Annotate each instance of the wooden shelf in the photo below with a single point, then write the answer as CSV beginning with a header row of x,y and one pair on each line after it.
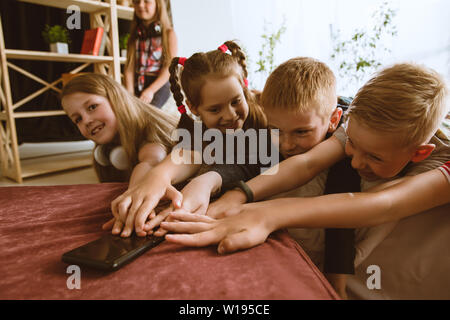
x,y
88,6
54,163
52,56
33,114
57,57
102,14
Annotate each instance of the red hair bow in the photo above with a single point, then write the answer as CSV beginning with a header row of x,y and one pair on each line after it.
x,y
246,82
223,48
182,60
182,109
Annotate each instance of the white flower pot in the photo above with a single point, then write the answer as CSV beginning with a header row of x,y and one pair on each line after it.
x,y
59,47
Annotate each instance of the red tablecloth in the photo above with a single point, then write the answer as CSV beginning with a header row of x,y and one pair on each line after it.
x,y
39,224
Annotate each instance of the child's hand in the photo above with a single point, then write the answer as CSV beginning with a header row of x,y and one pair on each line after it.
x,y
109,225
197,192
196,195
230,203
244,230
156,219
147,96
113,224
133,207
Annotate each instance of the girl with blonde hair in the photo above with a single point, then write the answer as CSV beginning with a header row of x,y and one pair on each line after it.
x,y
130,135
151,46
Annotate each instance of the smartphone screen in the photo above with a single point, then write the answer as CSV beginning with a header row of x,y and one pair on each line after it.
x,y
110,252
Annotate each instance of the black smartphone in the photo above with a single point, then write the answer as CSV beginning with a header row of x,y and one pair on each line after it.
x,y
110,252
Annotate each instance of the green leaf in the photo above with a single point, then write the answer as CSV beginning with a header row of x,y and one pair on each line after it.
x,y
55,34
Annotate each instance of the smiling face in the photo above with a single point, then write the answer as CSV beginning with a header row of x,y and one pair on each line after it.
x,y
93,116
145,9
223,104
300,132
375,155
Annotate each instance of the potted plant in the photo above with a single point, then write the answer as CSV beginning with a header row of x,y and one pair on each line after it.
x,y
123,43
57,37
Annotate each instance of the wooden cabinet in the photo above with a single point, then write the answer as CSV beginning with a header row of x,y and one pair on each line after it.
x,y
102,14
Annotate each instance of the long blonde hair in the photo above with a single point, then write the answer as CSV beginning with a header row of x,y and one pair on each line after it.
x,y
162,16
138,123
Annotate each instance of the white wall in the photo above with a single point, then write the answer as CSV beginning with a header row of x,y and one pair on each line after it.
x,y
424,33
423,27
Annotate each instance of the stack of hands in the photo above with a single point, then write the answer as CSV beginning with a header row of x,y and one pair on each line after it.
x,y
190,218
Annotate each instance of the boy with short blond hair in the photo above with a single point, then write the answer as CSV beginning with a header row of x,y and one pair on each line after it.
x,y
294,84
300,101
405,103
420,102
420,96
392,132
298,90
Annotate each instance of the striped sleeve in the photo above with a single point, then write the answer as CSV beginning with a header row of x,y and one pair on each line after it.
x,y
446,170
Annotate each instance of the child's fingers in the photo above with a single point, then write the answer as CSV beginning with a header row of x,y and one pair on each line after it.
x,y
122,208
144,210
156,221
114,208
129,225
133,210
176,196
160,232
189,217
195,240
238,241
108,225
186,227
151,222
152,216
117,228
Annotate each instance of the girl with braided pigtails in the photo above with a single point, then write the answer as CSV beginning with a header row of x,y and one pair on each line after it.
x,y
215,90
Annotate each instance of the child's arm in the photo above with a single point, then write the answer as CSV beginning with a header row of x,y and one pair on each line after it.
x,y
197,193
277,179
297,170
149,156
256,221
289,174
129,75
134,206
